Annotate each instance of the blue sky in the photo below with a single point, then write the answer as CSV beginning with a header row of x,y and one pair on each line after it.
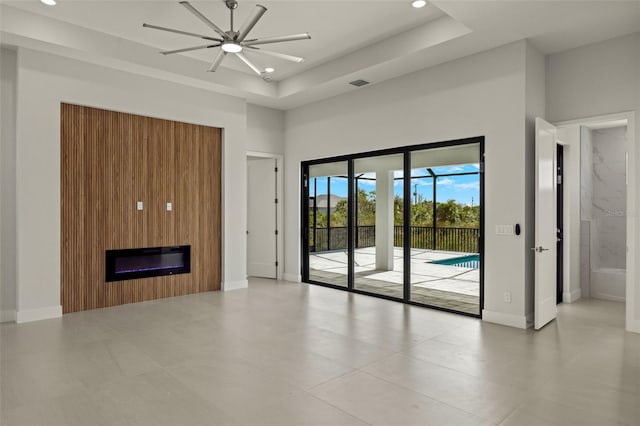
x,y
463,189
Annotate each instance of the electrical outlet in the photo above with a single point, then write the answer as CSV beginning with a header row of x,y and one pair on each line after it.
x,y
507,297
139,205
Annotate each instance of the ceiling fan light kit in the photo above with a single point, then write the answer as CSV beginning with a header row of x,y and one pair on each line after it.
x,y
232,41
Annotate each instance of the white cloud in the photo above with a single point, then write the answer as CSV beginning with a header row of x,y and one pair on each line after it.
x,y
468,185
450,169
445,182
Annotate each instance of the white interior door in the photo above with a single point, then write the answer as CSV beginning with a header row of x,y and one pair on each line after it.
x,y
261,218
546,230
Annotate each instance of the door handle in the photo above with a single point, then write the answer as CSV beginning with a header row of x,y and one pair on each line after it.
x,y
539,249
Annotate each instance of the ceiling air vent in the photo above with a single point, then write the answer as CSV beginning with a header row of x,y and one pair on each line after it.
x,y
359,83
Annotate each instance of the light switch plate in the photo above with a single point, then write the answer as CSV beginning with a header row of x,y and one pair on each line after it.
x,y
139,205
504,229
169,207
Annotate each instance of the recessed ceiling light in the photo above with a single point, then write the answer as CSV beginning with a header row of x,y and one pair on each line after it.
x,y
231,47
269,69
49,2
419,3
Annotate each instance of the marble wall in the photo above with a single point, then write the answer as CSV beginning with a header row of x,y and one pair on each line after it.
x,y
608,207
586,173
586,200
585,257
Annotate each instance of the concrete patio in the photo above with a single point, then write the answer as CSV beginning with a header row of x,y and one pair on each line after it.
x,y
446,286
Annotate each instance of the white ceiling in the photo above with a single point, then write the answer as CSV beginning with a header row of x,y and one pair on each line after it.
x,y
375,40
336,27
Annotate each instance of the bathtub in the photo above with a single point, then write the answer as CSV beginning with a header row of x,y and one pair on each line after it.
x,y
609,284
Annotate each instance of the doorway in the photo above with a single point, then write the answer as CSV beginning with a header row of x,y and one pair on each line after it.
x,y
264,216
603,210
577,241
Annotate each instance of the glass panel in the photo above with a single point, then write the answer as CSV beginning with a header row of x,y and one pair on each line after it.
x,y
445,228
328,185
378,254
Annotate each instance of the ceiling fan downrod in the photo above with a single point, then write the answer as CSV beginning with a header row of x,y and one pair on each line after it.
x,y
231,5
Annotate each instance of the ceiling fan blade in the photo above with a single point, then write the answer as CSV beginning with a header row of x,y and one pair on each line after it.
x,y
217,61
249,64
266,40
188,49
284,56
204,19
251,21
171,30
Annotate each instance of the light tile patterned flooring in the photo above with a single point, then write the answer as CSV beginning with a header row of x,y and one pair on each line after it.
x,y
283,354
446,286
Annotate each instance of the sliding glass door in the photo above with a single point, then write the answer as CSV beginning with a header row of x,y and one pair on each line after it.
x,y
378,206
327,214
445,228
403,224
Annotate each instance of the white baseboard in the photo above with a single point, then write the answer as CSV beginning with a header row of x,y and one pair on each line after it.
x,y
8,315
530,316
510,320
571,296
607,296
633,326
29,315
234,285
291,277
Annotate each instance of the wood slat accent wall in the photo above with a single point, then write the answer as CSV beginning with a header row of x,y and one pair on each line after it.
x,y
111,160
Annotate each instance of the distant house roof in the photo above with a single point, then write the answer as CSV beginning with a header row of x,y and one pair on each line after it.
x,y
321,201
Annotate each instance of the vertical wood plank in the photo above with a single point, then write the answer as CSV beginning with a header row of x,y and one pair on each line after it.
x,y
111,160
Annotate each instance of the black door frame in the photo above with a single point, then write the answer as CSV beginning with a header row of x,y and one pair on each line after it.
x,y
560,225
406,150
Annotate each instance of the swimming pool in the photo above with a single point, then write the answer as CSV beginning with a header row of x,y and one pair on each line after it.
x,y
471,261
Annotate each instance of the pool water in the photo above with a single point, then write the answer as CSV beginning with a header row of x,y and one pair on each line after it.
x,y
471,261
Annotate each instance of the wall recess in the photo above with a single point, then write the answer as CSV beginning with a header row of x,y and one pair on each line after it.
x,y
117,172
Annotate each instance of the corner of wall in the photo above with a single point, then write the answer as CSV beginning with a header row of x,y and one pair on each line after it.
x,y
510,320
37,314
234,285
571,296
295,278
8,315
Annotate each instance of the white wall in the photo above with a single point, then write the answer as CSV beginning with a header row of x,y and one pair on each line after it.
x,y
8,185
534,107
46,80
265,130
265,139
601,79
480,95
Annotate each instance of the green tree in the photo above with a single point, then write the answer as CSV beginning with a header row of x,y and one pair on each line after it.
x,y
340,214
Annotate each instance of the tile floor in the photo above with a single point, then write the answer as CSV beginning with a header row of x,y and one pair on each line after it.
x,y
282,354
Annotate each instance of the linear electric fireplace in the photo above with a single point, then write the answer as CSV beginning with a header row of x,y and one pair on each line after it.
x,y
135,263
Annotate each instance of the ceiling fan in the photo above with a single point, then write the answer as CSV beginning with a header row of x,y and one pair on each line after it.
x,y
232,41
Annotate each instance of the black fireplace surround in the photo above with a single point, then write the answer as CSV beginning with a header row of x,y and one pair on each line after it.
x,y
136,263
